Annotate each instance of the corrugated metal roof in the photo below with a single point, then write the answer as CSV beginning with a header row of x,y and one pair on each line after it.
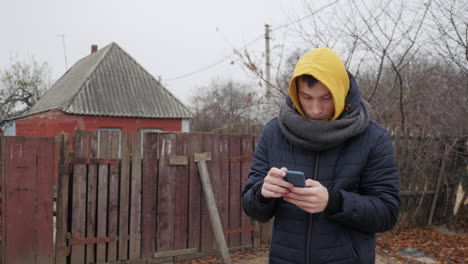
x,y
110,82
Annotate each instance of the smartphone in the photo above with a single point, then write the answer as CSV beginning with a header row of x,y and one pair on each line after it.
x,y
297,178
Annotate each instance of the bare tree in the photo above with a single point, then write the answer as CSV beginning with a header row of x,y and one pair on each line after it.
x,y
450,22
372,37
268,102
411,62
21,86
223,102
450,19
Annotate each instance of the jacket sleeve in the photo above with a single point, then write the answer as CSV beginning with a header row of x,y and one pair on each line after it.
x,y
376,207
259,209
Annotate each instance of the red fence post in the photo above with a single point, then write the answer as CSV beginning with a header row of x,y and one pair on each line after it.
x,y
234,189
79,197
166,194
247,150
182,189
208,241
194,213
27,180
61,249
149,192
44,201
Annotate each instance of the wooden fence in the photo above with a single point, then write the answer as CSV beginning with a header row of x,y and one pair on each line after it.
x,y
430,168
122,201
119,203
26,172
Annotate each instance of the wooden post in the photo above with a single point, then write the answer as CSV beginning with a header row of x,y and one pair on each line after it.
x,y
78,213
61,249
143,219
201,159
266,230
124,207
439,181
91,203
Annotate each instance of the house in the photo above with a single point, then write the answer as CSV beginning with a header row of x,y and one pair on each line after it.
x,y
104,91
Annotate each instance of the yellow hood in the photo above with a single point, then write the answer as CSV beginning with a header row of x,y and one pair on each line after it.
x,y
327,67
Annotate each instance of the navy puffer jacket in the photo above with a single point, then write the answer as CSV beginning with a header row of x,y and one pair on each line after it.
x,y
362,170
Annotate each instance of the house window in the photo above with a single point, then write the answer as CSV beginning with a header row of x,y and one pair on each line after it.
x,y
185,125
143,131
10,129
109,143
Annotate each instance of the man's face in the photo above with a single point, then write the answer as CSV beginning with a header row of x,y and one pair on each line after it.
x,y
316,101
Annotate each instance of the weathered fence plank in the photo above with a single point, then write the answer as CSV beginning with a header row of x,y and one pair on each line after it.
x,y
136,210
137,213
92,198
113,212
194,204
18,195
149,191
181,190
246,154
44,201
26,180
208,241
235,188
102,196
439,181
78,228
61,249
124,207
166,194
220,180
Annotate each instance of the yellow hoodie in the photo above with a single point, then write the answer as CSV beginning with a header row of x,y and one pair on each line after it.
x,y
327,67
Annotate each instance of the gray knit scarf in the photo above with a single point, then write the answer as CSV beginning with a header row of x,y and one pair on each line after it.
x,y
322,135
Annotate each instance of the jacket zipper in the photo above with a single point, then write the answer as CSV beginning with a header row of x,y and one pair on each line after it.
x,y
354,252
310,215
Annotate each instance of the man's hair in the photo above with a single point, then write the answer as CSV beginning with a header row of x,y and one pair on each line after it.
x,y
309,79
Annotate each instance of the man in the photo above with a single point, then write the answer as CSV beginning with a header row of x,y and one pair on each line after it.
x,y
324,130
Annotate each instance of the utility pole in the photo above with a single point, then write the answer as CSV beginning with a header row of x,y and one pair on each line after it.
x,y
267,228
267,59
64,50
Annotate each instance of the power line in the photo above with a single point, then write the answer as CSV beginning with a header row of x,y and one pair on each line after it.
x,y
213,64
307,16
248,44
198,71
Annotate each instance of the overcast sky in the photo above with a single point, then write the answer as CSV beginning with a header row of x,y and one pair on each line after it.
x,y
168,38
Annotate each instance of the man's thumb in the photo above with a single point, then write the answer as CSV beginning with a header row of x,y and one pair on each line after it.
x,y
312,183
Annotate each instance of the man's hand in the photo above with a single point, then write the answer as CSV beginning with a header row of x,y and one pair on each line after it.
x,y
273,185
312,199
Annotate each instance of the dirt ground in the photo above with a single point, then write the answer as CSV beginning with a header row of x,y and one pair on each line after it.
x,y
411,245
261,257
264,260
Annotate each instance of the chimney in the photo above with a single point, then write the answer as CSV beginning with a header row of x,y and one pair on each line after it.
x,y
93,48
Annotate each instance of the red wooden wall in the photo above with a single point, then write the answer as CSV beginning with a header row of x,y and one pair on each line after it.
x,y
52,123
